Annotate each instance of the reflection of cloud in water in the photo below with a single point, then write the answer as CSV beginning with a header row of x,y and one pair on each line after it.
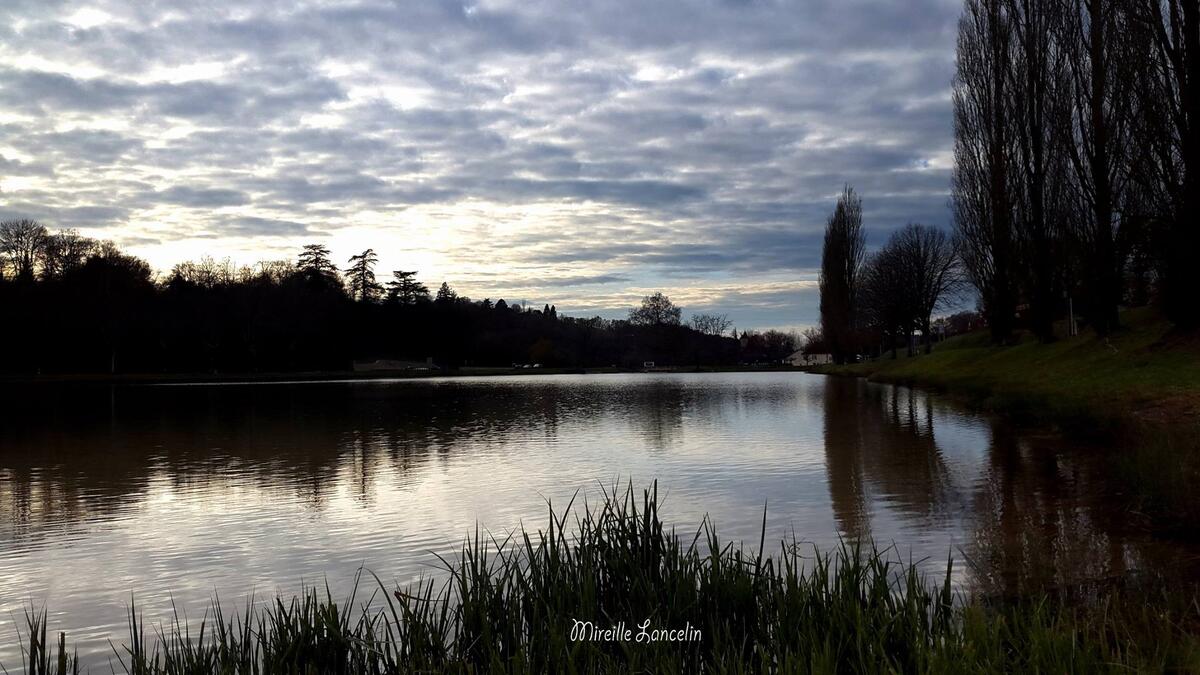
x,y
186,490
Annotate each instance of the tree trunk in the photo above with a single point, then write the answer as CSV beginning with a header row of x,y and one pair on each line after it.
x,y
1001,304
1182,282
1105,275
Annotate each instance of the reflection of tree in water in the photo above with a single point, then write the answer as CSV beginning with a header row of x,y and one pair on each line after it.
x,y
71,454
657,411
843,457
1043,520
68,455
880,447
660,409
1042,515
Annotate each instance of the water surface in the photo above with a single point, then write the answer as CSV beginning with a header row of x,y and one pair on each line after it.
x,y
177,493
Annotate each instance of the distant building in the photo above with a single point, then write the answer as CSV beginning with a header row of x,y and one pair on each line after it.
x,y
799,358
385,365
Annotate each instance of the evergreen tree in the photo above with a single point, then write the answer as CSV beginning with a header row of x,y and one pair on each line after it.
x,y
361,275
841,262
445,295
404,289
316,269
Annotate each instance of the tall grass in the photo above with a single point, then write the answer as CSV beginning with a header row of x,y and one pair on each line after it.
x,y
509,606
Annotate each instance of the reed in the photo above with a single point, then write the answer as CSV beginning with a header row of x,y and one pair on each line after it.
x,y
509,605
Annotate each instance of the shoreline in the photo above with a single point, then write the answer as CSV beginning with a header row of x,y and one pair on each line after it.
x,y
1142,375
1138,390
350,375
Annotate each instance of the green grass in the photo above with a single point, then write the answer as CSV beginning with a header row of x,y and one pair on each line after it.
x,y
509,606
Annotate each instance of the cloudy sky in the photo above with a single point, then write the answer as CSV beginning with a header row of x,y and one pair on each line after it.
x,y
576,153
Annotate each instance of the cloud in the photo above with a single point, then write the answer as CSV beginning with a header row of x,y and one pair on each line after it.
x,y
550,148
255,226
183,195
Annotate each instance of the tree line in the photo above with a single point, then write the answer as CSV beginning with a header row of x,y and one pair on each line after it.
x,y
1077,156
71,304
871,303
1075,185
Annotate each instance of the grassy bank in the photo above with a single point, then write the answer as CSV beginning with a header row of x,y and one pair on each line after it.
x,y
511,606
1140,386
1142,372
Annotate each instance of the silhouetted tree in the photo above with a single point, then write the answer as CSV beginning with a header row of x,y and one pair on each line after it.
x,y
812,341
1168,136
1100,55
361,275
778,345
710,324
65,251
205,273
275,271
21,244
770,347
1041,98
931,273
983,156
404,288
107,314
841,261
887,298
115,294
445,295
317,270
656,310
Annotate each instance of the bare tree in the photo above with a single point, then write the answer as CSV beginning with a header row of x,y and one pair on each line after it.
x,y
1101,55
206,272
710,324
275,271
1168,138
65,251
930,269
772,346
21,244
1040,94
656,310
983,152
841,261
813,341
886,304
778,345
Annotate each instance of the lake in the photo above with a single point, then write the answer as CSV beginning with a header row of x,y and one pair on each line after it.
x,y
177,493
